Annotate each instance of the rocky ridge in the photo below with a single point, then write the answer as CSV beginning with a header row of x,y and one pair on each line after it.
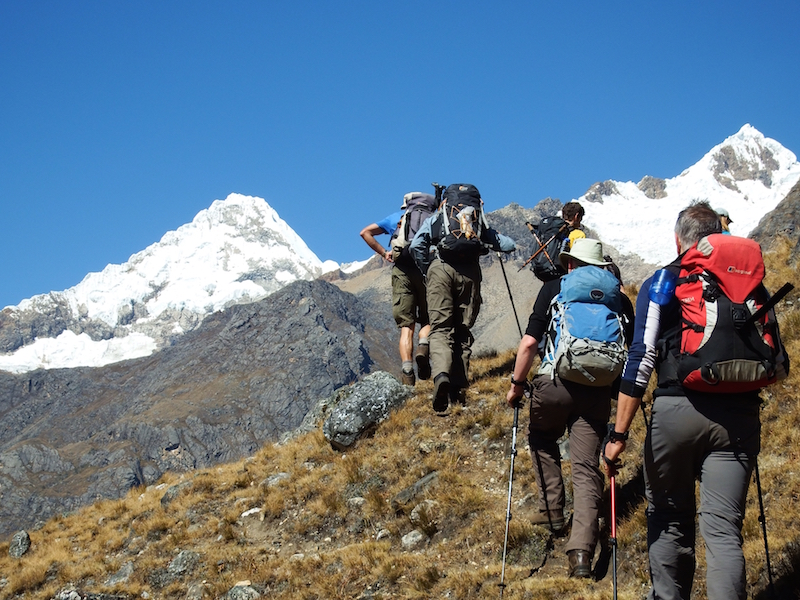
x,y
241,379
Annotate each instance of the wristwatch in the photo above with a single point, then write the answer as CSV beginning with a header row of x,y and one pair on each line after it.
x,y
616,436
515,382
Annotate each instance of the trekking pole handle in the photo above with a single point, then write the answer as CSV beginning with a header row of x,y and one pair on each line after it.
x,y
777,297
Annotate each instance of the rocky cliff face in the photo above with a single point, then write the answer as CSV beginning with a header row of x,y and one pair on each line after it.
x,y
784,221
243,377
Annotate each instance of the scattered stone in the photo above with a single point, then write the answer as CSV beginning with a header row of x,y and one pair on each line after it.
x,y
122,575
184,563
413,539
382,534
425,513
242,592
172,493
356,502
196,591
274,480
401,501
20,544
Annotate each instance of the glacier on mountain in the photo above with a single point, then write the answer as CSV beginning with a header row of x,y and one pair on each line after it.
x,y
238,250
748,174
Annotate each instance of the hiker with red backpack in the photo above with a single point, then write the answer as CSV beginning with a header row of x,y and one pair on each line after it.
x,y
409,304
460,235
705,323
580,325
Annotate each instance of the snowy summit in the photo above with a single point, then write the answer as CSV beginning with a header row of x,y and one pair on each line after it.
x,y
238,250
747,174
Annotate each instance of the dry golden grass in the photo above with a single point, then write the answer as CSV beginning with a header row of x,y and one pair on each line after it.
x,y
315,533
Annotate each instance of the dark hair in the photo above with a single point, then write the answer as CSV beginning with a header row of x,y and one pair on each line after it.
x,y
613,268
695,222
571,210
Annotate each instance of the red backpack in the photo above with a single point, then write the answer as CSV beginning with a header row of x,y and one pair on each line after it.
x,y
727,340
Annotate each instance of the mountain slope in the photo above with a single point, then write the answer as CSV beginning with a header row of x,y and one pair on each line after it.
x,y
243,377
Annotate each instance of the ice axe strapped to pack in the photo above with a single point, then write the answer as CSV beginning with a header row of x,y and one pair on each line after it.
x,y
549,235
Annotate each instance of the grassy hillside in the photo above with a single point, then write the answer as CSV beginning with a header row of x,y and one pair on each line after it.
x,y
301,520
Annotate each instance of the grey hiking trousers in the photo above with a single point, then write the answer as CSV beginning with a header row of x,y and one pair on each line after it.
x,y
715,441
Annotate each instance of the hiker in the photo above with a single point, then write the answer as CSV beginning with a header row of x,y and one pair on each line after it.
x,y
409,303
564,398
725,220
553,235
572,213
693,434
461,236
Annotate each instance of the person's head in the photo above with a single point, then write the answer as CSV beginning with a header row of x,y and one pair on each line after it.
x,y
572,213
584,251
695,222
724,218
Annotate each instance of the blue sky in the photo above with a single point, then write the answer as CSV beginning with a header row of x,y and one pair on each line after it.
x,y
119,121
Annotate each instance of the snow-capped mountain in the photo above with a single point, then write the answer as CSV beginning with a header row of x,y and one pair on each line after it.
x,y
747,174
238,250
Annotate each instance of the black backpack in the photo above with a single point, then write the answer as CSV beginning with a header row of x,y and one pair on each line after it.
x,y
461,224
418,207
549,234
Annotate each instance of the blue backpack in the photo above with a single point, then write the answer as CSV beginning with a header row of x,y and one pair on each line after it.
x,y
585,340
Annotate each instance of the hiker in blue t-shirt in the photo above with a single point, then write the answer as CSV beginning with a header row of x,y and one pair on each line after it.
x,y
409,305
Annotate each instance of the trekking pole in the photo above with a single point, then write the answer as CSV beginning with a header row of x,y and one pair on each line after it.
x,y
763,520
510,297
510,483
613,538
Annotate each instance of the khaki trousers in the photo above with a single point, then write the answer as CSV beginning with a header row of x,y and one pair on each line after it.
x,y
454,301
557,405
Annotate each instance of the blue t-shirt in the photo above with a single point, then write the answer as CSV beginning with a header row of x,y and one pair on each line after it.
x,y
389,224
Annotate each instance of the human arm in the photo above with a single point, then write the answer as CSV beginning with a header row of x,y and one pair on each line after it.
x,y
526,353
368,233
497,241
420,246
637,371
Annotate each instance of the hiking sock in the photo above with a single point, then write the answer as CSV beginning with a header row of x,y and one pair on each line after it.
x,y
408,373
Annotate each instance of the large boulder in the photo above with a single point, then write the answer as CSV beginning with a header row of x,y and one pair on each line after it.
x,y
361,407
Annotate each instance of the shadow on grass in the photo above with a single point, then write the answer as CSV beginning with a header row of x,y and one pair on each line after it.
x,y
786,576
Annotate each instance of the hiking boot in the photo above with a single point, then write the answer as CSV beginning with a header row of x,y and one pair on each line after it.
x,y
550,519
441,388
408,378
458,396
423,364
580,563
